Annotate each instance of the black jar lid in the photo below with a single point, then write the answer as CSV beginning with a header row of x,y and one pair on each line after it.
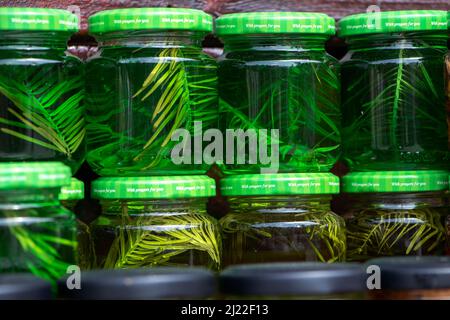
x,y
142,284
24,287
413,273
287,279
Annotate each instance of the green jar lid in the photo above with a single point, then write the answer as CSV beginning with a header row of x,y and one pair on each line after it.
x,y
275,22
33,175
393,21
280,184
151,19
395,181
168,187
37,19
74,191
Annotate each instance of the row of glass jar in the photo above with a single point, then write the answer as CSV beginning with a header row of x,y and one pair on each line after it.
x,y
163,221
272,218
150,78
255,281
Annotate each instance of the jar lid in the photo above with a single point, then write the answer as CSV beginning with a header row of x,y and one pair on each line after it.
x,y
151,19
32,175
139,284
167,187
24,287
275,22
406,273
393,21
275,279
395,181
74,191
280,184
37,19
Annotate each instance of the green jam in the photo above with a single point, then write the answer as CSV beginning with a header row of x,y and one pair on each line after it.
x,y
287,82
141,88
395,214
37,234
149,228
41,90
281,218
393,98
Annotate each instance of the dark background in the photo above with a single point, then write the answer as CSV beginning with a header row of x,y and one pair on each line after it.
x,y
83,45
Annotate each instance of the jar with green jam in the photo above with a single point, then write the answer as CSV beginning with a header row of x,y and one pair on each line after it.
x,y
37,234
41,88
281,218
159,283
70,196
155,221
150,92
447,84
280,88
412,278
393,97
294,281
395,213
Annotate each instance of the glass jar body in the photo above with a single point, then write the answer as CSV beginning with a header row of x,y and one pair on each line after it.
x,y
145,233
37,234
284,83
447,227
70,204
41,99
86,254
393,102
447,87
142,89
395,224
282,229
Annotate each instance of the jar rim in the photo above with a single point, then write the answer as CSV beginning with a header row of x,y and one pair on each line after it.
x,y
280,184
303,278
144,283
74,191
392,22
33,175
411,273
37,19
275,23
157,187
150,19
395,181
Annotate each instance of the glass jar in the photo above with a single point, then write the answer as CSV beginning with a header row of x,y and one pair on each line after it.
x,y
70,196
275,75
150,92
393,98
24,287
286,281
447,225
157,221
447,86
37,234
158,283
395,213
41,88
412,278
281,218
